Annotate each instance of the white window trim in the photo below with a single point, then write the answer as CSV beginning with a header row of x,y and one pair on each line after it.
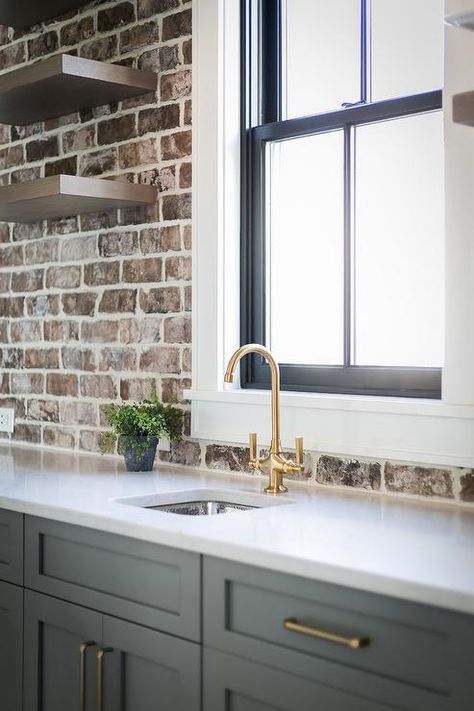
x,y
436,432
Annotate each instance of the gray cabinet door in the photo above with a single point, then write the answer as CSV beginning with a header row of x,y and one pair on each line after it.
x,y
54,635
148,670
11,638
11,547
234,684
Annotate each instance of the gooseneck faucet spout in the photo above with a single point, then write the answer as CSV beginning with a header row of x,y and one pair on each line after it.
x,y
275,462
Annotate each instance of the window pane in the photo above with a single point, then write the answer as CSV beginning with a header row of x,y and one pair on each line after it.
x,y
407,47
305,239
399,254
321,55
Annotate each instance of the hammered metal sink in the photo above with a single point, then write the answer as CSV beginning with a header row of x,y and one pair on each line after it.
x,y
202,508
202,502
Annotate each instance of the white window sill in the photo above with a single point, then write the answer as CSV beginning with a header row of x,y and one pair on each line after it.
x,y
425,431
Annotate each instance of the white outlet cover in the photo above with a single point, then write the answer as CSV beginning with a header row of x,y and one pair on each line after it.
x,y
7,419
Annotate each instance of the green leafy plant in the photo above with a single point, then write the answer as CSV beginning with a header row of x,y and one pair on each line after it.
x,y
138,423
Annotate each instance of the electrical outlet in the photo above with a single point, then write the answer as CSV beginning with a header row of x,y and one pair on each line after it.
x,y
7,419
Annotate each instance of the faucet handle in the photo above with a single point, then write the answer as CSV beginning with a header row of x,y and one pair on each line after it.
x,y
253,448
299,452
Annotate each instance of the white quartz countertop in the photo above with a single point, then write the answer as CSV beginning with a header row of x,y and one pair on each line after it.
x,y
422,552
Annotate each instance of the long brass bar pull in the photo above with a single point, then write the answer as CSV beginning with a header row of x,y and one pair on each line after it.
x,y
82,687
292,625
100,676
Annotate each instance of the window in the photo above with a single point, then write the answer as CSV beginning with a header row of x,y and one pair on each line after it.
x,y
343,194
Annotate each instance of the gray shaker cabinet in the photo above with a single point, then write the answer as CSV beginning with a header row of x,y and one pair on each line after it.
x,y
145,670
11,646
79,660
57,635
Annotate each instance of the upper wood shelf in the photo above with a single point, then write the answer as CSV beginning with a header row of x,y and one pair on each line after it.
x,y
463,108
24,13
62,84
63,195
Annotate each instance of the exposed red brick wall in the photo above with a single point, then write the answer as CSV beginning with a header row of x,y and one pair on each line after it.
x,y
95,308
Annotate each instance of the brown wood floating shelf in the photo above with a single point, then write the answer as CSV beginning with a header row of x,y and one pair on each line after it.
x,y
463,108
24,13
62,84
63,195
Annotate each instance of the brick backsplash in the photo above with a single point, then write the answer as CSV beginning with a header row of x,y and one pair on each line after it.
x,y
96,308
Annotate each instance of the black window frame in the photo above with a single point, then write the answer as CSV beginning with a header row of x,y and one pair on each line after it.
x,y
261,109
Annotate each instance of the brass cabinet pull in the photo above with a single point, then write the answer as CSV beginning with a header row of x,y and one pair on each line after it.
x,y
100,676
82,688
292,625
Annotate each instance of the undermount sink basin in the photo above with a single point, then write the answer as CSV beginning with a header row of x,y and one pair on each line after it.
x,y
202,502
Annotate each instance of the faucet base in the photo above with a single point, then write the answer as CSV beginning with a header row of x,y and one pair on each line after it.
x,y
276,489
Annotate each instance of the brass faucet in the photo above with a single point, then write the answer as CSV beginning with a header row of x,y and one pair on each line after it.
x,y
275,462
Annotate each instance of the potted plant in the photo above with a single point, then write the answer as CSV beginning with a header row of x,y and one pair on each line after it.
x,y
137,428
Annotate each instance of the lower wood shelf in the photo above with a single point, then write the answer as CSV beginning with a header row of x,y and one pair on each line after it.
x,y
63,195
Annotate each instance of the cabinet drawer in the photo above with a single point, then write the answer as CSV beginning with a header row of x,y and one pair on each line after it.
x,y
153,585
233,684
416,655
11,547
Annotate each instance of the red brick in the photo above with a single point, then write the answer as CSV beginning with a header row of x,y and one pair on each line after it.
x,y
31,280
100,49
118,301
185,175
76,412
140,330
176,86
177,329
58,437
178,268
160,118
118,359
42,44
78,358
119,14
43,410
146,8
77,31
27,433
139,153
42,305
176,145
46,250
61,331
79,139
137,389
160,359
172,389
26,331
120,128
176,25
101,273
42,359
99,332
161,239
63,277
138,36
82,304
44,148
12,307
142,270
163,300
61,384
176,207
98,386
27,383
116,244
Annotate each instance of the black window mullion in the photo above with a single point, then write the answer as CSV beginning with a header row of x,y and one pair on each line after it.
x,y
271,59
347,245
